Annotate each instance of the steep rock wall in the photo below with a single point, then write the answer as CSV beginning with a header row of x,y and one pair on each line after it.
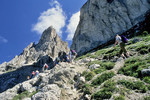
x,y
101,20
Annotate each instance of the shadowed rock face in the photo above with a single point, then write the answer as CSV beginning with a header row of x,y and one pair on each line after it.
x,y
32,58
101,20
10,79
45,51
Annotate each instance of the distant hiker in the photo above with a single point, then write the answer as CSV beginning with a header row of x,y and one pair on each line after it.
x,y
32,75
45,67
67,59
72,55
57,60
121,40
28,77
36,73
64,56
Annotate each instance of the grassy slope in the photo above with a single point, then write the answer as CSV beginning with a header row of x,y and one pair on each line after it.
x,y
139,49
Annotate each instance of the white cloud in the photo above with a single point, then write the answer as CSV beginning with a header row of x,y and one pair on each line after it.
x,y
71,27
51,17
3,40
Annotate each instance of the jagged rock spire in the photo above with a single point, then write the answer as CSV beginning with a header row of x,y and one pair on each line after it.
x,y
49,45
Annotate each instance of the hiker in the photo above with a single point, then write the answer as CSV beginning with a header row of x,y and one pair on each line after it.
x,y
121,41
72,55
28,77
36,73
57,60
67,59
32,75
64,56
45,67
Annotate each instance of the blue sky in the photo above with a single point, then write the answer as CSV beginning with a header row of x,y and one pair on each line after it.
x,y
23,21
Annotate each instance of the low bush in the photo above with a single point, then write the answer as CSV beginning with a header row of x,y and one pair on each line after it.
x,y
121,97
147,79
147,98
88,75
106,92
99,70
102,94
99,80
87,89
134,85
133,66
108,65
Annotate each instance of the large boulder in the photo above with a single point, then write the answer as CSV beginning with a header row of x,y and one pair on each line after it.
x,y
101,20
49,92
145,72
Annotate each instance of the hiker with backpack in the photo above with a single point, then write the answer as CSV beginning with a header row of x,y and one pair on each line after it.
x,y
37,73
32,75
121,40
57,60
72,55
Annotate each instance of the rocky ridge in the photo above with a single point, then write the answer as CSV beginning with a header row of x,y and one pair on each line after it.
x,y
101,20
48,47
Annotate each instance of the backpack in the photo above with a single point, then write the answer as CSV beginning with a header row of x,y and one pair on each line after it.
x,y
46,66
124,39
73,52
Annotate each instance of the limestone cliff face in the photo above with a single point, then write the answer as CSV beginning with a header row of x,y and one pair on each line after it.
x,y
47,48
100,20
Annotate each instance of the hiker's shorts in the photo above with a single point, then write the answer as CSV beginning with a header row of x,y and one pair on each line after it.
x,y
122,48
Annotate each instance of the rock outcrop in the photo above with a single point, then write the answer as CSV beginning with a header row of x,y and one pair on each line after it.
x,y
53,84
45,51
101,20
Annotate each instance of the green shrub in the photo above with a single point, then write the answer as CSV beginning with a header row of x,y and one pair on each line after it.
x,y
133,66
147,98
110,85
103,78
108,65
99,70
121,97
102,94
106,92
145,33
148,87
87,89
134,85
89,75
146,79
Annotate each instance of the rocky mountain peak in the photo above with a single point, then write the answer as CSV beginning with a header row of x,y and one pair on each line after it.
x,y
48,47
49,35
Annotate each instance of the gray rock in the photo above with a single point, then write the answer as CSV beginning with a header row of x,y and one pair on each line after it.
x,y
145,72
100,21
94,66
85,60
81,80
49,92
27,99
25,87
